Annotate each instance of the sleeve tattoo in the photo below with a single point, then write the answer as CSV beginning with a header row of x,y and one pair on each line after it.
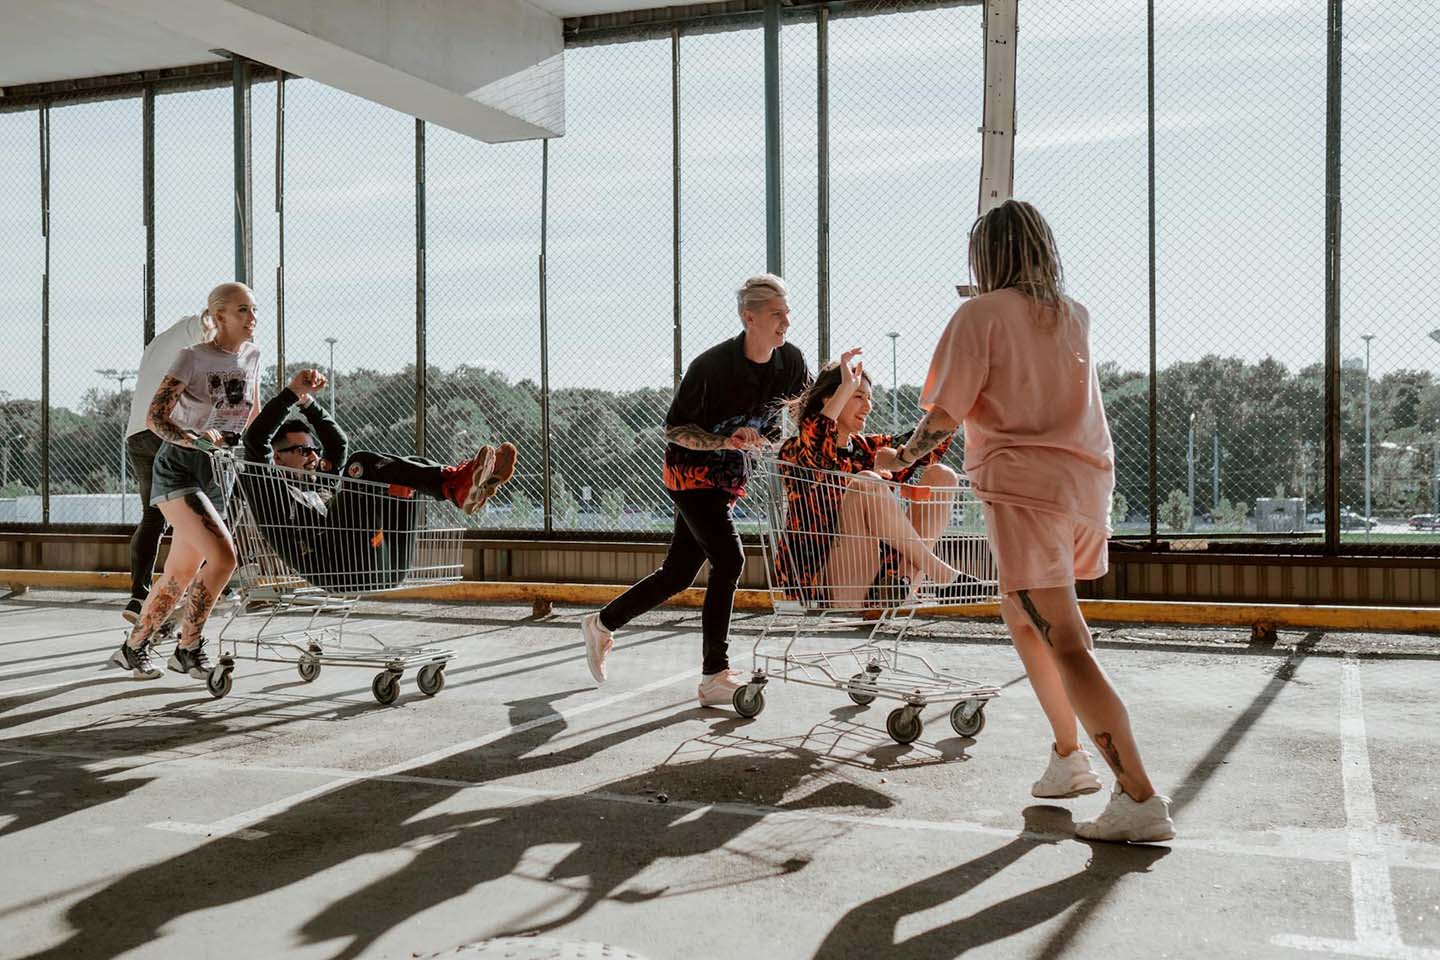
x,y
928,436
690,436
158,416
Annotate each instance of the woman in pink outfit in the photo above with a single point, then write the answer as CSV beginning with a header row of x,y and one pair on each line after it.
x,y
1014,367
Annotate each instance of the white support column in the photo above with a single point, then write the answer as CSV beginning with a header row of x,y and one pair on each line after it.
x,y
997,147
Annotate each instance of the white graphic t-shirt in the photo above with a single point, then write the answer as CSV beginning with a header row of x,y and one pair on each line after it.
x,y
220,388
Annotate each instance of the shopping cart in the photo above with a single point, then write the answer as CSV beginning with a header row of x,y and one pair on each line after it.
x,y
310,545
844,552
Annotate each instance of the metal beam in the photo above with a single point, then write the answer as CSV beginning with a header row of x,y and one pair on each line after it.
x,y
774,145
422,374
148,209
678,331
997,144
45,317
280,228
1154,486
240,135
822,143
1332,278
546,471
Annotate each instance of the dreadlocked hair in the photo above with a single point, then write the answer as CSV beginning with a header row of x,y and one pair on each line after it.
x,y
821,389
1012,246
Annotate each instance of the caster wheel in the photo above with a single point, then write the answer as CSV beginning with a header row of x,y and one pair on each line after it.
x,y
859,683
309,668
748,701
904,725
431,679
385,687
968,726
218,682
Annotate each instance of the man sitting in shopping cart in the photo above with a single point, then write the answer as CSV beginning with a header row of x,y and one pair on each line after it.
x,y
317,444
849,539
347,522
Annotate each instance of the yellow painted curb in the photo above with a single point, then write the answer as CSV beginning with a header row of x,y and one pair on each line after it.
x,y
1256,616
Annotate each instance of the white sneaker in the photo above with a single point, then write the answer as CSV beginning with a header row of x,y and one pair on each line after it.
x,y
598,641
1124,820
1067,776
718,689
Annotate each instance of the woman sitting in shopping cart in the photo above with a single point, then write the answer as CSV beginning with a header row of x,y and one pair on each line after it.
x,y
849,538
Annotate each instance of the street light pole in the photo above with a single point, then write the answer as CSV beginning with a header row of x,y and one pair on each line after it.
x,y
119,376
1190,461
894,383
1367,338
330,373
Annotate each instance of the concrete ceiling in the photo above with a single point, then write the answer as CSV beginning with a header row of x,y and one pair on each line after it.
x,y
48,40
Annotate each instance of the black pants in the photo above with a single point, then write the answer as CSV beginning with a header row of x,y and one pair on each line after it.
x,y
145,541
704,530
417,472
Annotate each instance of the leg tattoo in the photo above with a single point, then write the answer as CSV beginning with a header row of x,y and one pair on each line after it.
x,y
1106,743
197,610
196,503
163,597
1041,624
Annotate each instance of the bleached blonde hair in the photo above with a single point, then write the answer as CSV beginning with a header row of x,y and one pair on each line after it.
x,y
759,289
1012,246
220,296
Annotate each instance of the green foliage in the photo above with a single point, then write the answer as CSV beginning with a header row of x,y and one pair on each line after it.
x,y
1231,516
1175,513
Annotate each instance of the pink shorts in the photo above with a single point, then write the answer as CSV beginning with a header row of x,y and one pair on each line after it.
x,y
1034,549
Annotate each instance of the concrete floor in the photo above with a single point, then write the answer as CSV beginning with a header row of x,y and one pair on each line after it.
x,y
294,820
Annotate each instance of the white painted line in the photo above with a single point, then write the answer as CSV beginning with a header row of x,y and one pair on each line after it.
x,y
201,830
241,821
1377,929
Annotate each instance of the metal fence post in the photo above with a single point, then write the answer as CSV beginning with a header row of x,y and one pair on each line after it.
x,y
280,228
240,135
822,141
421,370
1150,193
1332,278
546,478
148,210
675,196
45,317
774,145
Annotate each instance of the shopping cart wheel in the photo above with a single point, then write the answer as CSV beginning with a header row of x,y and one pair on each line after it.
x,y
218,681
904,724
431,679
386,687
309,667
968,726
748,701
858,683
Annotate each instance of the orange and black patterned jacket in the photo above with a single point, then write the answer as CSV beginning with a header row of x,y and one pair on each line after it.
x,y
813,503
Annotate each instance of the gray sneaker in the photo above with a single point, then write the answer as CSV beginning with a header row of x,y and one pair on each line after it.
x,y
191,660
137,661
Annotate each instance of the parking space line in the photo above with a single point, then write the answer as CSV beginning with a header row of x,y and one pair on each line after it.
x,y
1377,928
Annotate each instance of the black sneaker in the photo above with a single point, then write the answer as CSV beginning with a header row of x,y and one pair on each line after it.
x,y
132,610
967,589
191,660
136,660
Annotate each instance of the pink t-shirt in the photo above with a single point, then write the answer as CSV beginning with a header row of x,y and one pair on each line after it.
x,y
1029,397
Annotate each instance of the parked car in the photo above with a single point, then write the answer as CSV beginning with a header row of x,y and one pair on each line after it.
x,y
1350,520
1425,521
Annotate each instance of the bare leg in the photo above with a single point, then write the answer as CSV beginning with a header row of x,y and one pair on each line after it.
x,y
885,519
1044,676
1055,615
181,566
198,528
929,516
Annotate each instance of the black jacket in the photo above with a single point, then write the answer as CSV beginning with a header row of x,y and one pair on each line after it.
x,y
260,435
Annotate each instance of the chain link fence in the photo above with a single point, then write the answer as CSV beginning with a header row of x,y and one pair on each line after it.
x,y
1389,336
22,250
905,101
610,288
1239,302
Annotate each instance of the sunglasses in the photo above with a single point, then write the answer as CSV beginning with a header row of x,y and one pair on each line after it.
x,y
300,448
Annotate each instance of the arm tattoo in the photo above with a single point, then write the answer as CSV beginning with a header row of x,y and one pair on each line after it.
x,y
1041,624
1106,743
690,436
158,416
927,437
